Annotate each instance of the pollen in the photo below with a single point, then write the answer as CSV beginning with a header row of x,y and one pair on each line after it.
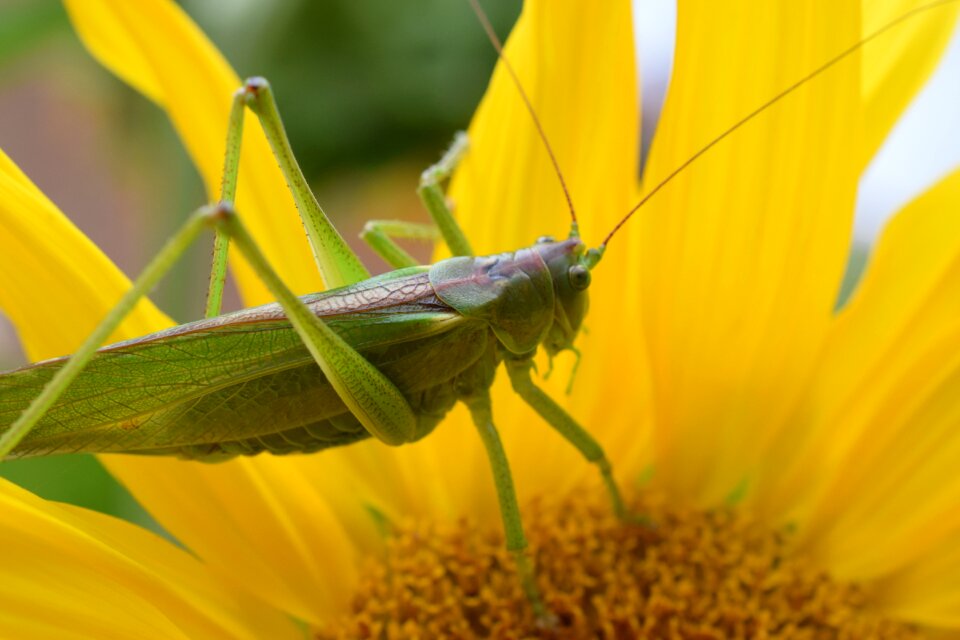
x,y
690,575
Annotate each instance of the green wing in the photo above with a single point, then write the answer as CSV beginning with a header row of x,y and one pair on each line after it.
x,y
244,383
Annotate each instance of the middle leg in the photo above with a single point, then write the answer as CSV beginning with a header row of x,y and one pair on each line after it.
x,y
380,234
435,200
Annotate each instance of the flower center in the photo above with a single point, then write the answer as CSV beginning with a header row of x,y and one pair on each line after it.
x,y
694,575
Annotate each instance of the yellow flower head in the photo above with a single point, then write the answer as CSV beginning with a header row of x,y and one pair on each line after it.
x,y
715,367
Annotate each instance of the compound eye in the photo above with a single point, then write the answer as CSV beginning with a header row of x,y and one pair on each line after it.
x,y
545,239
579,277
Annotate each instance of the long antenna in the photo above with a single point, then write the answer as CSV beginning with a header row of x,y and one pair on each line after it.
x,y
495,41
796,85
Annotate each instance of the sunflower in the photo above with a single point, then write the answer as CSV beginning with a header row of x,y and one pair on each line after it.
x,y
798,462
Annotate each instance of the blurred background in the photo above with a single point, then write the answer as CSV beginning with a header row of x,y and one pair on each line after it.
x,y
370,90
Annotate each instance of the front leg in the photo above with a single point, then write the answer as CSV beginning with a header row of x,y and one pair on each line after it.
x,y
519,371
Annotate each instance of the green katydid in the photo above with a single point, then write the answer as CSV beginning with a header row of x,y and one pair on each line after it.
x,y
395,351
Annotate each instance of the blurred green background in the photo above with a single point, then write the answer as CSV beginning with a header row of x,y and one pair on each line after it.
x,y
370,90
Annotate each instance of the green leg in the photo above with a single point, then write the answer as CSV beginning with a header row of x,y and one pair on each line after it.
x,y
228,194
379,235
556,417
339,265
157,268
435,201
368,394
507,495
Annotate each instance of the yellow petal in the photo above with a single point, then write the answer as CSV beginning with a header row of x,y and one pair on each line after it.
x,y
261,523
906,302
506,191
156,47
926,592
57,285
883,441
576,62
896,67
71,573
743,253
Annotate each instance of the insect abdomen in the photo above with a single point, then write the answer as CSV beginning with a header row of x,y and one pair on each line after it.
x,y
430,405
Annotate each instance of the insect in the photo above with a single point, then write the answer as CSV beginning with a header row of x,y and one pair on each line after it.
x,y
395,352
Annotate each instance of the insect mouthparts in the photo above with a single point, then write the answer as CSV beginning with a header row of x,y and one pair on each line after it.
x,y
593,256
